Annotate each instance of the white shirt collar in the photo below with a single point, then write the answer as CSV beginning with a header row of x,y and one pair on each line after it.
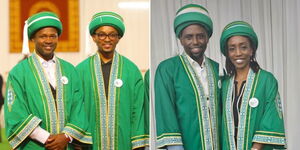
x,y
46,63
193,62
49,69
200,72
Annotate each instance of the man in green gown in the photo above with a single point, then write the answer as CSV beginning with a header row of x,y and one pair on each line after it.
x,y
113,89
44,96
187,87
260,119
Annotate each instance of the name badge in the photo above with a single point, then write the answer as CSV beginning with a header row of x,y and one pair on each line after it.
x,y
118,82
253,102
64,80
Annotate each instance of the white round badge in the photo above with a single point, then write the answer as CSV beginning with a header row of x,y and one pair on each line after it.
x,y
253,102
118,82
219,84
64,80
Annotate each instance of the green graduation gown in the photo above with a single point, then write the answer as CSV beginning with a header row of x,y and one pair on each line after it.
x,y
29,103
117,123
147,105
183,115
260,118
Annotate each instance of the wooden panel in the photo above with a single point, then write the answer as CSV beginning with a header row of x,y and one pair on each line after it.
x,y
67,10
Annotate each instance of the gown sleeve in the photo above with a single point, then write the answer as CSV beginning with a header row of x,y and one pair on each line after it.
x,y
19,122
271,128
168,132
138,135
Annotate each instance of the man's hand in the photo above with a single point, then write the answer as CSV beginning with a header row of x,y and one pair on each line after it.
x,y
57,142
257,146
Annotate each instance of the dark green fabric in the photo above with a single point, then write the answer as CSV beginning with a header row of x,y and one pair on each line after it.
x,y
264,118
30,102
129,108
175,104
147,101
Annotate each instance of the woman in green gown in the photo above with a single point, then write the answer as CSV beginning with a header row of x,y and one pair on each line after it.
x,y
252,112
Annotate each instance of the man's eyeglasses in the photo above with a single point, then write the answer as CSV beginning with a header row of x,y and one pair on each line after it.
x,y
103,36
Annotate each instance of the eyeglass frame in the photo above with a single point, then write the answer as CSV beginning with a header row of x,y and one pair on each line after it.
x,y
111,36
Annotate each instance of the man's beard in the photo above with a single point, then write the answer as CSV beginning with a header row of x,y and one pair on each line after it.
x,y
197,57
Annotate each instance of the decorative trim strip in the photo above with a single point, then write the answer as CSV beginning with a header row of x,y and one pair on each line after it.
x,y
41,18
193,10
228,113
107,16
243,113
56,122
275,140
107,107
168,134
279,105
268,132
59,96
140,143
213,89
208,112
97,104
11,96
169,140
78,133
47,92
30,123
140,136
248,117
112,94
41,92
196,98
102,102
244,110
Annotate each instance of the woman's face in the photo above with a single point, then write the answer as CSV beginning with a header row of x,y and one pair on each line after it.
x,y
239,52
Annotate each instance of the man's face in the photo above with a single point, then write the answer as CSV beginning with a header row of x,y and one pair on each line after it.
x,y
106,38
45,41
194,40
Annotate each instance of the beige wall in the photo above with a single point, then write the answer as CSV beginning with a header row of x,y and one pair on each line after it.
x,y
134,44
